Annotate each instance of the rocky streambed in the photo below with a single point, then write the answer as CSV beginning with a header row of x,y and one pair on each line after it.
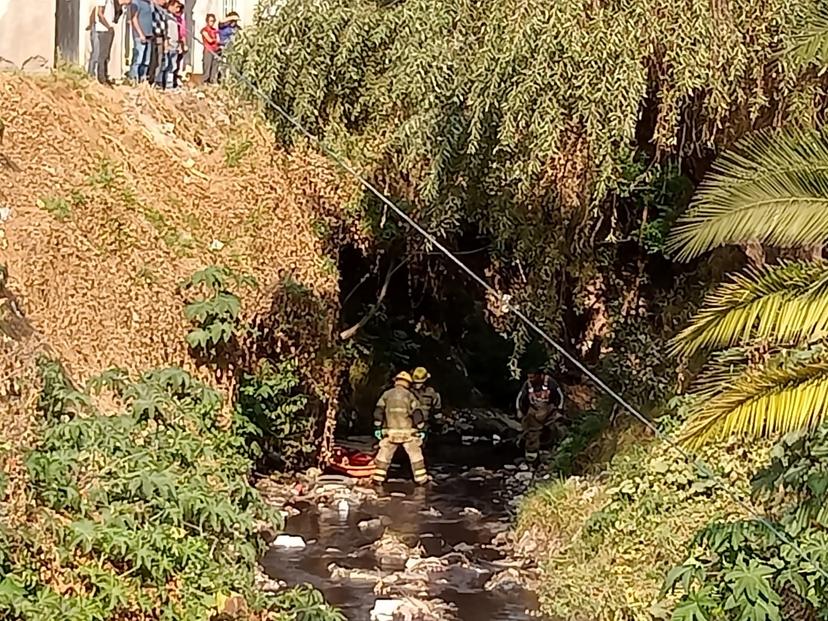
x,y
441,552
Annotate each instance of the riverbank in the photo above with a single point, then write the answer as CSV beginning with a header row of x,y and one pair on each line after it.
x,y
123,463
605,541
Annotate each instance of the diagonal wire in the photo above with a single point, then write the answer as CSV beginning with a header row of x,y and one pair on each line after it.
x,y
697,463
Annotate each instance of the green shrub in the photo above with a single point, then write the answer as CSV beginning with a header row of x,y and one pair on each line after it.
x,y
215,313
145,513
743,570
271,414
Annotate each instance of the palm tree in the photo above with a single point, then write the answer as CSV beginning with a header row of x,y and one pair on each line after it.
x,y
765,332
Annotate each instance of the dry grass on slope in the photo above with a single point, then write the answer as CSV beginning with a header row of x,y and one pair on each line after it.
x,y
110,198
118,195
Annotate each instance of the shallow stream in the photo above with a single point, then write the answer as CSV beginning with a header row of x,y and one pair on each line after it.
x,y
467,505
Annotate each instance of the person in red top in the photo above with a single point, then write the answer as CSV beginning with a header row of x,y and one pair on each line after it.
x,y
210,38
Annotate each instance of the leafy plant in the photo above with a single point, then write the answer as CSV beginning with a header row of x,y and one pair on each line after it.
x,y
272,414
741,570
216,313
144,513
57,206
235,150
770,188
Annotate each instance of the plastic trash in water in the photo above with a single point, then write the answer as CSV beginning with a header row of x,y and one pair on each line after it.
x,y
344,508
384,609
288,541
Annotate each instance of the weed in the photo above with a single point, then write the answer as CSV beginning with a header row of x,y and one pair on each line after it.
x,y
271,414
215,315
235,150
321,228
58,207
105,176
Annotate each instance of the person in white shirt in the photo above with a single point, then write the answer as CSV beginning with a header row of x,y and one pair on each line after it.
x,y
105,34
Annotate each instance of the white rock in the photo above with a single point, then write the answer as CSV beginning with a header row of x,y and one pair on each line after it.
x,y
367,525
216,244
5,213
288,541
507,580
384,609
344,508
471,512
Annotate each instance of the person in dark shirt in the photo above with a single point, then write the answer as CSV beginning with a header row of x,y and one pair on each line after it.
x,y
539,399
158,41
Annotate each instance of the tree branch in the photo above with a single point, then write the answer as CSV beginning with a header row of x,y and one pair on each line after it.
x,y
350,332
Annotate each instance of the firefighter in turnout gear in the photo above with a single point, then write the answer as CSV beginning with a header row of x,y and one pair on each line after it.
x,y
539,399
429,399
398,421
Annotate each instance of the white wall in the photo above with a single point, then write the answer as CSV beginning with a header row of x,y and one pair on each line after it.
x,y
27,33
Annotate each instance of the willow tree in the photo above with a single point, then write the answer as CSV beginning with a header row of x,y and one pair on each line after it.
x,y
533,123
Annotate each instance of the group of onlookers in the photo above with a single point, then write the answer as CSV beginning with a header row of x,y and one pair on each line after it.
x,y
159,40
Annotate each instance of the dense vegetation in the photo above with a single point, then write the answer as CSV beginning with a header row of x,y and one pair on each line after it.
x,y
141,509
566,135
569,138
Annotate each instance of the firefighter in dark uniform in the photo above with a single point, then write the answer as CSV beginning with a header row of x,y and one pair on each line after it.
x,y
399,422
428,398
539,400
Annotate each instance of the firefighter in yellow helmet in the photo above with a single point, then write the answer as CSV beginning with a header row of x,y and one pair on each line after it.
x,y
398,421
427,396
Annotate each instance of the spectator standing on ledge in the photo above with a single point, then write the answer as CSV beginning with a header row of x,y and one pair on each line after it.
x,y
210,39
178,12
158,43
104,31
141,22
228,27
92,67
166,76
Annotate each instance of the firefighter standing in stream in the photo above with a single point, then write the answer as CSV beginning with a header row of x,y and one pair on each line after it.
x,y
427,396
539,399
399,421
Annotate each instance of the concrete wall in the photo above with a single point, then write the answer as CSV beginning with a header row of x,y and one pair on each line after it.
x,y
27,34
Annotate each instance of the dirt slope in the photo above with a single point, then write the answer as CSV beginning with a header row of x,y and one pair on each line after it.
x,y
118,195
111,197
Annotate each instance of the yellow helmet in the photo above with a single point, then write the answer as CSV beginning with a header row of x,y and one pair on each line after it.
x,y
420,374
403,376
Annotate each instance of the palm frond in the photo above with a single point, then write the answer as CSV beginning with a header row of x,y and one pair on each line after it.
x,y
772,187
785,304
811,45
763,402
720,370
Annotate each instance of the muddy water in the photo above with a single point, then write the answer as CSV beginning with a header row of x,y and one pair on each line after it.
x,y
436,518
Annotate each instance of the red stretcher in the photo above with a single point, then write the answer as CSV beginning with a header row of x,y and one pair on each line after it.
x,y
352,463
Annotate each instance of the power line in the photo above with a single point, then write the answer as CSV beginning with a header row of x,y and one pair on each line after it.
x,y
703,469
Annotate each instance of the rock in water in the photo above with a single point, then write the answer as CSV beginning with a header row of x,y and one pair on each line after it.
x,y
370,525
384,609
344,508
471,512
505,581
288,542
